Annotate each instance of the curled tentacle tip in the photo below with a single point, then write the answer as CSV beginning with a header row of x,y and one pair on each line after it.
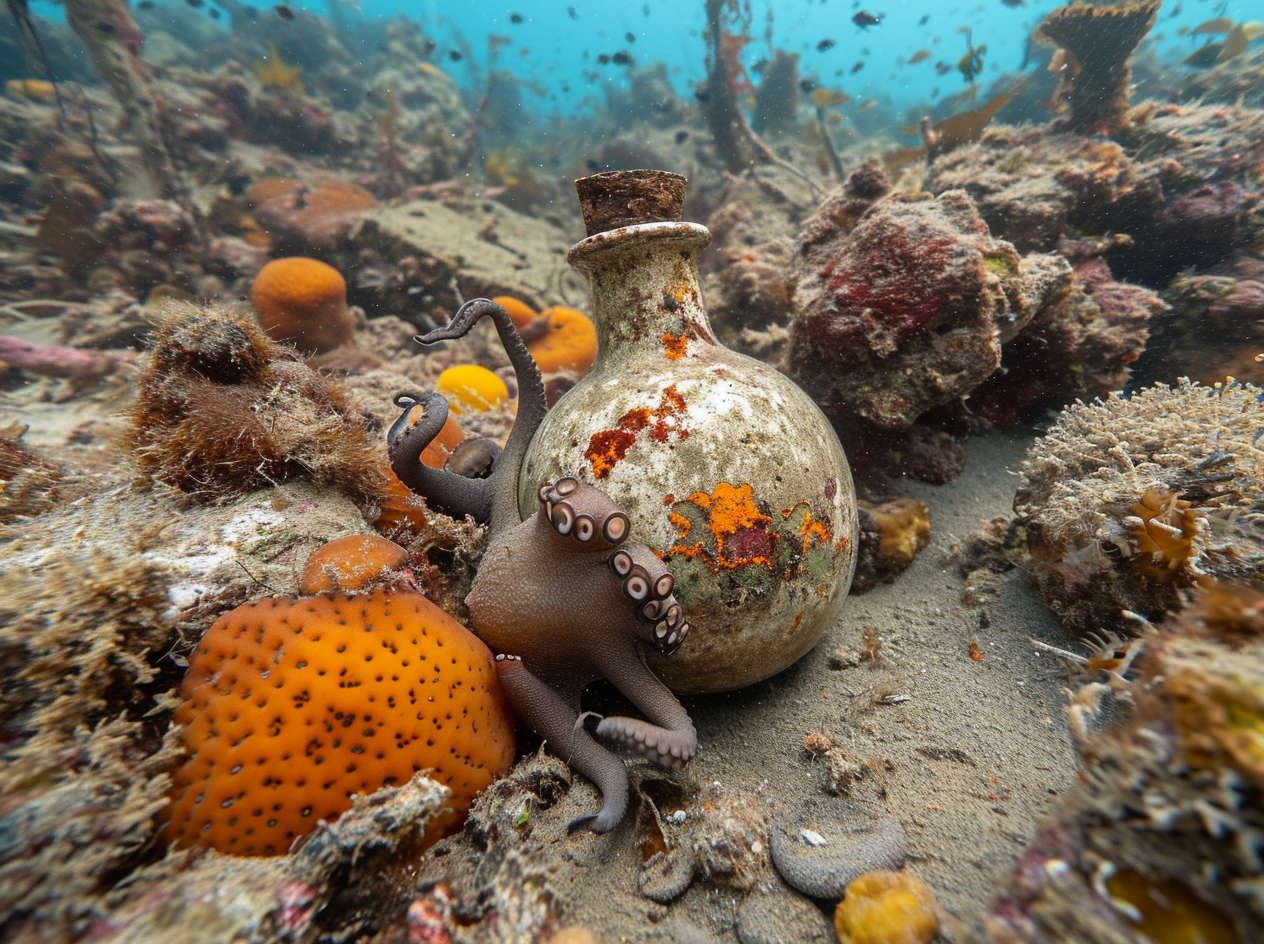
x,y
582,822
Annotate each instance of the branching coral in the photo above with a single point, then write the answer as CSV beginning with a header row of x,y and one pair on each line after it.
x,y
1126,501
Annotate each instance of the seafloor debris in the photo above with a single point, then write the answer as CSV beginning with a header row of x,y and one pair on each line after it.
x,y
1129,501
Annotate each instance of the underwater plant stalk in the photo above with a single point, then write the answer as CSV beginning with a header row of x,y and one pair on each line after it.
x,y
114,41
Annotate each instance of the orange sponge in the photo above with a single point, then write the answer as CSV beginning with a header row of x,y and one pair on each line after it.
x,y
303,301
520,313
568,341
350,564
293,706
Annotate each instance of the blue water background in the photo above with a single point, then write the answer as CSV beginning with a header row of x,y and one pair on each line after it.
x,y
556,52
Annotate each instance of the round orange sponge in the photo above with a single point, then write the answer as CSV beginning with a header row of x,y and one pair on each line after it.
x,y
520,313
569,341
351,563
293,706
303,301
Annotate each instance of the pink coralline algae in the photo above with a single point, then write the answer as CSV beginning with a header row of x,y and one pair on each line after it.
x,y
909,308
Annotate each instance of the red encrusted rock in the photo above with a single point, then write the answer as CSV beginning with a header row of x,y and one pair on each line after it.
x,y
1079,348
908,309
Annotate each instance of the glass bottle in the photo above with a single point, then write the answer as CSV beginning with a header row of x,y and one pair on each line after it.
x,y
725,467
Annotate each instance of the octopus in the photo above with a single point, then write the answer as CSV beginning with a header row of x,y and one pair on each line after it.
x,y
563,598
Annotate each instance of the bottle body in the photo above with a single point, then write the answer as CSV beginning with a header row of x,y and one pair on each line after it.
x,y
727,470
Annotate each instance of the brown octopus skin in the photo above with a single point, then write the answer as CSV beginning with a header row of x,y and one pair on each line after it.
x,y
556,644
563,598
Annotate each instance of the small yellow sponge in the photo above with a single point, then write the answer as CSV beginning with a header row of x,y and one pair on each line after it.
x,y
886,907
472,389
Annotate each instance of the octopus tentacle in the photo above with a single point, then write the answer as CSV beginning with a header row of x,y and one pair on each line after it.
x,y
444,491
668,738
649,585
584,513
503,511
558,723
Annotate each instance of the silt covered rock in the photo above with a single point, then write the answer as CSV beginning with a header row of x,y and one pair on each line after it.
x,y
909,309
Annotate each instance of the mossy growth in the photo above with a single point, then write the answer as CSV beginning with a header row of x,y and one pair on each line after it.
x,y
222,410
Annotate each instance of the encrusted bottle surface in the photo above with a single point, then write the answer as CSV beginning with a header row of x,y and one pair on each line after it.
x,y
727,469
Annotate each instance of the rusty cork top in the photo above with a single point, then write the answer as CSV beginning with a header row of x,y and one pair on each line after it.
x,y
627,197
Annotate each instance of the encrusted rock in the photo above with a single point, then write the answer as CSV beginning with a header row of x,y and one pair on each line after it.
x,y
909,309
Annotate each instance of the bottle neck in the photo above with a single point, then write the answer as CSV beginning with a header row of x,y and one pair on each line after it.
x,y
645,284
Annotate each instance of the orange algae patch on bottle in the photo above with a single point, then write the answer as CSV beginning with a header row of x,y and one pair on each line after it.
x,y
568,341
886,907
303,301
470,388
350,564
291,707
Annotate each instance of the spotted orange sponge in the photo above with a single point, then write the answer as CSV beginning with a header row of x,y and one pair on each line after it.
x,y
291,707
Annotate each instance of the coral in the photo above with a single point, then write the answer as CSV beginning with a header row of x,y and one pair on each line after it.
x,y
1099,41
909,309
1159,840
350,564
292,707
470,388
1082,346
304,302
1165,530
1184,190
1127,501
223,409
146,243
565,340
1213,329
886,907
82,633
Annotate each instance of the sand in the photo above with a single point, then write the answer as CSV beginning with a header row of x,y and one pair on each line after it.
x,y
966,754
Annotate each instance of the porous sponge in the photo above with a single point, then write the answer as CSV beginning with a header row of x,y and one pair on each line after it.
x,y
303,301
568,341
293,706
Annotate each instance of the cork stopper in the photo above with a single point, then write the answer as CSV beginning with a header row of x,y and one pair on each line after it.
x,y
627,197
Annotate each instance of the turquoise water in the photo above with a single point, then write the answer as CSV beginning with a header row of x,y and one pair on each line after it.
x,y
555,46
